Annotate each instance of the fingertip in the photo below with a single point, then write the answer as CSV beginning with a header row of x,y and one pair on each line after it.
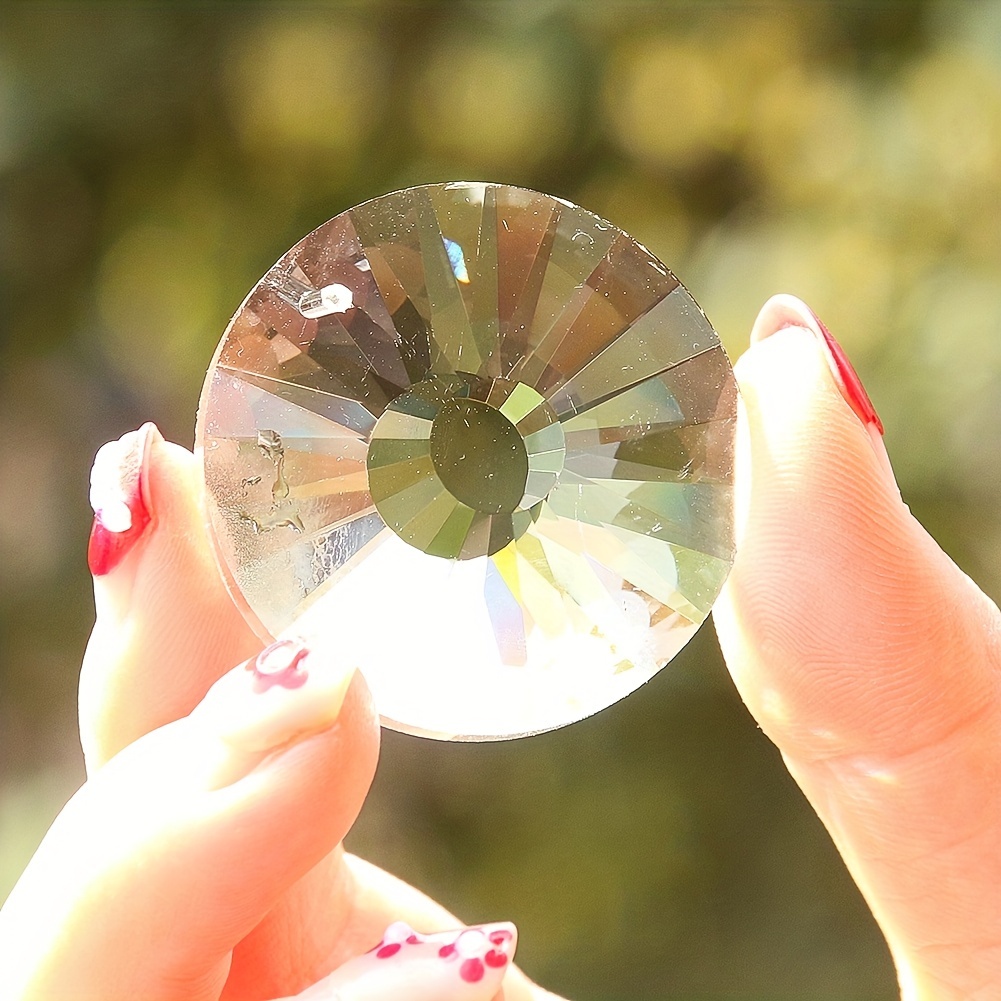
x,y
798,421
295,804
804,463
840,608
780,311
136,485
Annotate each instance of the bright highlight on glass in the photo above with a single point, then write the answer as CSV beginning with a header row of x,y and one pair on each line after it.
x,y
479,442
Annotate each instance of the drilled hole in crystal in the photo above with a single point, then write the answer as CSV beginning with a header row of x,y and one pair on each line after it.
x,y
477,442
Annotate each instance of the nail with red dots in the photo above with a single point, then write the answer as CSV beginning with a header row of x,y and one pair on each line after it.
x,y
463,965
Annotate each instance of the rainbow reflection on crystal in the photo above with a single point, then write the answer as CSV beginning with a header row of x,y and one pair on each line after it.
x,y
479,442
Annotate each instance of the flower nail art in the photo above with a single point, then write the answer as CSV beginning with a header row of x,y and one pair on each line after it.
x,y
287,692
280,664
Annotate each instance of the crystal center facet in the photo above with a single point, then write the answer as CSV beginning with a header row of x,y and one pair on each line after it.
x,y
456,463
479,456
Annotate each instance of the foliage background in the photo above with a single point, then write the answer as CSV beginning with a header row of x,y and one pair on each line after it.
x,y
156,159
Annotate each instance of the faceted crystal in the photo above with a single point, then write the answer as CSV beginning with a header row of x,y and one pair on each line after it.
x,y
478,442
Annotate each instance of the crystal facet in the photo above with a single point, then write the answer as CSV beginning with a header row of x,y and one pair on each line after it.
x,y
478,442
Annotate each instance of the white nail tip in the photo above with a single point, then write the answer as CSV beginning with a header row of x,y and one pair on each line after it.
x,y
115,516
109,496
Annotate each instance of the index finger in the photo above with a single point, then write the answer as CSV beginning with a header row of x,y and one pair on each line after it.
x,y
869,658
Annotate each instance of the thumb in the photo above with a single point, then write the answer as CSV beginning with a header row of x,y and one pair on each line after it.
x,y
869,658
178,847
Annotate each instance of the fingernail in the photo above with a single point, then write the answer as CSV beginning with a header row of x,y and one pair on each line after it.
x,y
119,497
288,691
783,311
467,964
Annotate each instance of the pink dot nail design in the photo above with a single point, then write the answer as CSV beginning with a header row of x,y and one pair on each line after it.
x,y
478,949
464,965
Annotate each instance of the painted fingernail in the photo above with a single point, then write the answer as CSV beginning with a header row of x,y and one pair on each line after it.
x,y
119,497
288,691
783,311
463,965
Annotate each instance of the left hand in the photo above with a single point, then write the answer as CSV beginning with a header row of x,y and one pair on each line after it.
x,y
201,859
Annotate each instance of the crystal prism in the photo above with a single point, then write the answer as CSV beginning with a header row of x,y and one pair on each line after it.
x,y
478,442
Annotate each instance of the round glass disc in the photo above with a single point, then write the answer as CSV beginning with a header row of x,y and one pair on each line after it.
x,y
478,442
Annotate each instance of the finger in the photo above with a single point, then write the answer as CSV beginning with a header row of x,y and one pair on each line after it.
x,y
868,657
180,845
159,595
467,964
166,629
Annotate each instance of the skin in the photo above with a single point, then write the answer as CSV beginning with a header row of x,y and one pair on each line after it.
x,y
865,654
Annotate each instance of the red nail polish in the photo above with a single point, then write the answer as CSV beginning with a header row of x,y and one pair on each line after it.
x,y
851,385
118,497
783,311
280,664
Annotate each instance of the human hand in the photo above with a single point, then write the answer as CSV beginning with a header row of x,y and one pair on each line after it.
x,y
869,658
201,859
864,653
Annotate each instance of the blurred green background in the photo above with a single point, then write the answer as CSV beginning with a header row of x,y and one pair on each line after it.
x,y
156,160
